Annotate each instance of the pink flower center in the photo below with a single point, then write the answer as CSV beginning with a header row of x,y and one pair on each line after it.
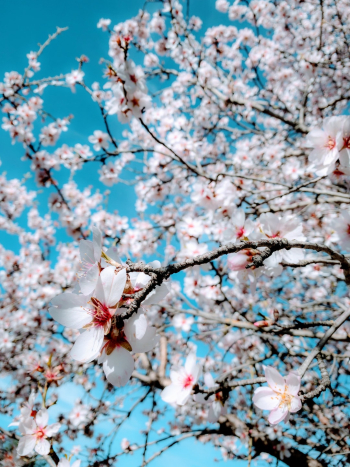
x,y
348,230
40,433
276,235
188,381
101,314
346,142
240,232
331,143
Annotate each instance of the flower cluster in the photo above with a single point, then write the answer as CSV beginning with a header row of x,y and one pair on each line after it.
x,y
97,310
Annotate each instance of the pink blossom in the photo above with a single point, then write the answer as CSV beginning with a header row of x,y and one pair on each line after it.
x,y
35,433
280,397
182,382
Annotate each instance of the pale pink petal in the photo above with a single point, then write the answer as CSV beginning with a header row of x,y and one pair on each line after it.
x,y
88,345
88,280
42,447
141,280
42,417
170,393
214,412
148,341
87,251
52,429
140,326
209,380
174,376
64,463
99,292
196,373
26,445
76,463
293,384
118,367
113,284
97,242
184,395
190,363
69,310
27,427
295,405
200,398
156,295
278,415
265,398
274,379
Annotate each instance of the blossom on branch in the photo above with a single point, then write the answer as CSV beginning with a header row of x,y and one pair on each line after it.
x,y
35,432
280,397
182,382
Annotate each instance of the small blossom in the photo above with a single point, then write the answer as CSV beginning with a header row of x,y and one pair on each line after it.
x,y
281,397
182,382
36,431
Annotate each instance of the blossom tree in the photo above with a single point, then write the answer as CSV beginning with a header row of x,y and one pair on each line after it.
x,y
221,309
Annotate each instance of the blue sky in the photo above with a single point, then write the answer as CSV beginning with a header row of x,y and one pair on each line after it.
x,y
25,24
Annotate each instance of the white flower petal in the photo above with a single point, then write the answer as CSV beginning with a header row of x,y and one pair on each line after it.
x,y
170,393
53,429
190,363
266,399
88,345
26,445
88,280
27,427
87,251
293,383
113,284
42,417
69,311
214,412
295,405
97,242
156,295
118,367
278,415
184,395
274,379
42,447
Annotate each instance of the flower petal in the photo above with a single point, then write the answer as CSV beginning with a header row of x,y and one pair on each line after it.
x,y
118,367
214,412
190,363
86,248
113,284
42,447
27,427
293,383
97,242
26,445
170,393
53,429
295,405
274,379
68,310
278,415
88,345
266,399
184,395
156,295
88,280
42,417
